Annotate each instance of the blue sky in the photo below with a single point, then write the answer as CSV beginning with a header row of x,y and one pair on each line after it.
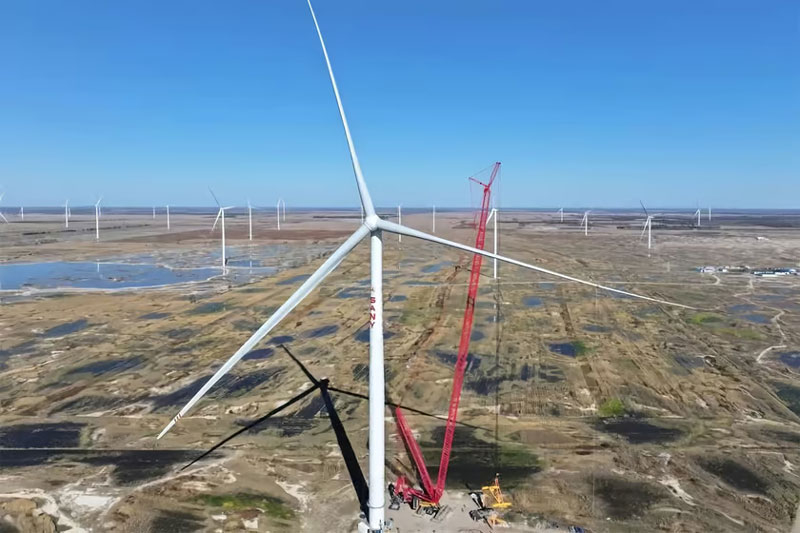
x,y
586,103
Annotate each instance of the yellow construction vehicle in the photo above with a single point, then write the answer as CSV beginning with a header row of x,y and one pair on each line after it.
x,y
496,502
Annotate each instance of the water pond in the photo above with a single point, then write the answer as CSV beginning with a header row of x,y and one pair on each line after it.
x,y
88,275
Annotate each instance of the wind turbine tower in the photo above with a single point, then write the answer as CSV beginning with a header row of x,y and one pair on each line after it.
x,y
66,214
373,226
221,215
561,212
493,215
167,217
97,219
585,223
250,217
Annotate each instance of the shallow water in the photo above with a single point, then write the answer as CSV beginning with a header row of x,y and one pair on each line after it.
x,y
791,359
87,275
532,301
436,267
363,335
322,331
294,279
563,348
56,435
638,431
756,318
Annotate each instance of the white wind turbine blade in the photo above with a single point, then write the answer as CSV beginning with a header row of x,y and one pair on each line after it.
x,y
3,217
396,228
219,213
644,228
366,201
305,289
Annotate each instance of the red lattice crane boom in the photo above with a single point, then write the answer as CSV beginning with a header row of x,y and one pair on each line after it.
x,y
430,493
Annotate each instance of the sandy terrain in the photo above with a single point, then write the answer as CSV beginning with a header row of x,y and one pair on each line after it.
x,y
597,411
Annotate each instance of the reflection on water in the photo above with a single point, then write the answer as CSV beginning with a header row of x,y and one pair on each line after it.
x,y
86,275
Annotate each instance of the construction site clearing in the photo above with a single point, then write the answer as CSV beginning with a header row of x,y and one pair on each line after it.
x,y
591,410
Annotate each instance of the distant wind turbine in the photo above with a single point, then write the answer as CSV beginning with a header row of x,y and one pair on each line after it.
x,y
561,212
97,219
250,217
697,213
21,212
585,223
221,215
167,217
1,213
709,213
278,212
648,226
154,212
66,214
493,214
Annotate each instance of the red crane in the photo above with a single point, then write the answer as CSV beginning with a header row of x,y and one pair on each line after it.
x,y
402,491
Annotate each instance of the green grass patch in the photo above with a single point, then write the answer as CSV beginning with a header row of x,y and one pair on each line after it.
x,y
611,408
272,506
581,348
705,318
742,333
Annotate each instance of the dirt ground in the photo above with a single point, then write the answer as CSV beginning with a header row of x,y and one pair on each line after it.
x,y
596,410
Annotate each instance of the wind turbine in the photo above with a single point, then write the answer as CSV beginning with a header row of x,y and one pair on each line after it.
x,y
21,212
66,214
1,213
97,219
220,215
373,227
585,223
561,212
697,213
250,217
167,217
278,215
709,213
154,212
648,226
399,221
493,214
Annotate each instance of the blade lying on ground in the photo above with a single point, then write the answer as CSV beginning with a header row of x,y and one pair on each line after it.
x,y
305,289
396,228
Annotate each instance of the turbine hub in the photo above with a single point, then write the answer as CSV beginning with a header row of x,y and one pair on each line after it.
x,y
371,222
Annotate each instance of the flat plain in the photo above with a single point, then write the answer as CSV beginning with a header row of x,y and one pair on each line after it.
x,y
596,410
